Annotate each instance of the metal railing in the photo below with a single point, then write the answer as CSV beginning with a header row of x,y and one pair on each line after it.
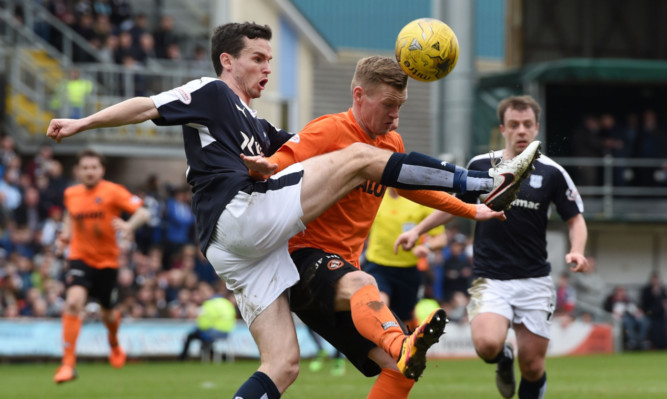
x,y
112,83
34,15
612,199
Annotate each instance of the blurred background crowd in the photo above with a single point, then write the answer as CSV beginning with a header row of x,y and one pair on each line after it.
x,y
121,34
163,274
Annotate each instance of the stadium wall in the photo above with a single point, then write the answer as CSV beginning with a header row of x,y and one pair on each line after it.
x,y
35,338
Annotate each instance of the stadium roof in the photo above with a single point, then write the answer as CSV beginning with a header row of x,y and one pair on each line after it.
x,y
581,70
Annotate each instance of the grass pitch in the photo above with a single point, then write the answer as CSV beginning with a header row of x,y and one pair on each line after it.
x,y
624,376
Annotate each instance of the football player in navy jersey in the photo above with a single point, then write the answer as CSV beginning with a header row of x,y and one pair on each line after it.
x,y
244,224
512,286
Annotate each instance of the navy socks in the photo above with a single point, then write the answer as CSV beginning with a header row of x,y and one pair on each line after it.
x,y
258,386
415,171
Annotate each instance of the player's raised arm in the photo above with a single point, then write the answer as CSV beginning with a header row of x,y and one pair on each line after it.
x,y
408,239
578,233
131,111
260,167
446,202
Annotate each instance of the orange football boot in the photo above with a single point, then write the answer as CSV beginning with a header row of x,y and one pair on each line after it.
x,y
117,357
65,373
412,360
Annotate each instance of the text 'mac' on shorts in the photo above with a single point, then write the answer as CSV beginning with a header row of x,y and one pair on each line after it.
x,y
100,283
312,298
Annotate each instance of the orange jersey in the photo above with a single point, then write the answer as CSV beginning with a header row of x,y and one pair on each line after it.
x,y
343,228
93,239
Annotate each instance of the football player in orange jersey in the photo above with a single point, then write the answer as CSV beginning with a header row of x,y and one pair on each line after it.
x,y
333,297
91,226
243,224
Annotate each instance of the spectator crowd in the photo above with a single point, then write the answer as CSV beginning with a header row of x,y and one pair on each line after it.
x,y
120,35
162,273
638,135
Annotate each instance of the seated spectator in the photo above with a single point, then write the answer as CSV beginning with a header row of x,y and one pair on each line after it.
x,y
125,48
589,288
654,304
10,196
587,142
651,144
457,267
164,36
634,322
456,308
102,8
566,298
201,59
53,193
179,224
216,319
39,164
121,12
29,214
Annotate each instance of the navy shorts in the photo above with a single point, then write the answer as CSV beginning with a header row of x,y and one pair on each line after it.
x,y
312,299
102,284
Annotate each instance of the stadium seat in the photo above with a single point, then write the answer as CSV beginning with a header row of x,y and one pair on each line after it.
x,y
214,349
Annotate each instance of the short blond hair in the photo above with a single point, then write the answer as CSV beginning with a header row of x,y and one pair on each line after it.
x,y
376,70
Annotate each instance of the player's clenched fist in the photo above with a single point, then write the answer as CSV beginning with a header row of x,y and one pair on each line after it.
x,y
61,128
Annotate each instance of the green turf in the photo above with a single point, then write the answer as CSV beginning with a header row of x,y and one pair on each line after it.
x,y
627,376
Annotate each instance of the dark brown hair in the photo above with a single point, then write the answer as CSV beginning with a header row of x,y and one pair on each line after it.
x,y
228,38
519,103
90,153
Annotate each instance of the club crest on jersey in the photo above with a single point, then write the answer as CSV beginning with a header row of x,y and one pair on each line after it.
x,y
182,95
572,195
295,139
535,181
335,264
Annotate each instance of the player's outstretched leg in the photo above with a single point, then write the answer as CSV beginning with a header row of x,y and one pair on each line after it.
x,y
71,327
117,356
507,177
505,381
412,360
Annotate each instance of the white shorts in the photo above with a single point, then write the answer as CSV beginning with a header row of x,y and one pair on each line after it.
x,y
529,301
249,247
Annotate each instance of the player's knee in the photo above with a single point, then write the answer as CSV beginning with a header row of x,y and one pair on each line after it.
x,y
532,369
290,368
283,370
73,307
356,280
360,154
358,149
487,349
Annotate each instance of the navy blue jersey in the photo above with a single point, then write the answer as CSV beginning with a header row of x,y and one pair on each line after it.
x,y
217,128
517,247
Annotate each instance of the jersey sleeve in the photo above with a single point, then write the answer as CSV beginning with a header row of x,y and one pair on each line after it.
x,y
441,201
308,143
567,199
125,200
194,102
